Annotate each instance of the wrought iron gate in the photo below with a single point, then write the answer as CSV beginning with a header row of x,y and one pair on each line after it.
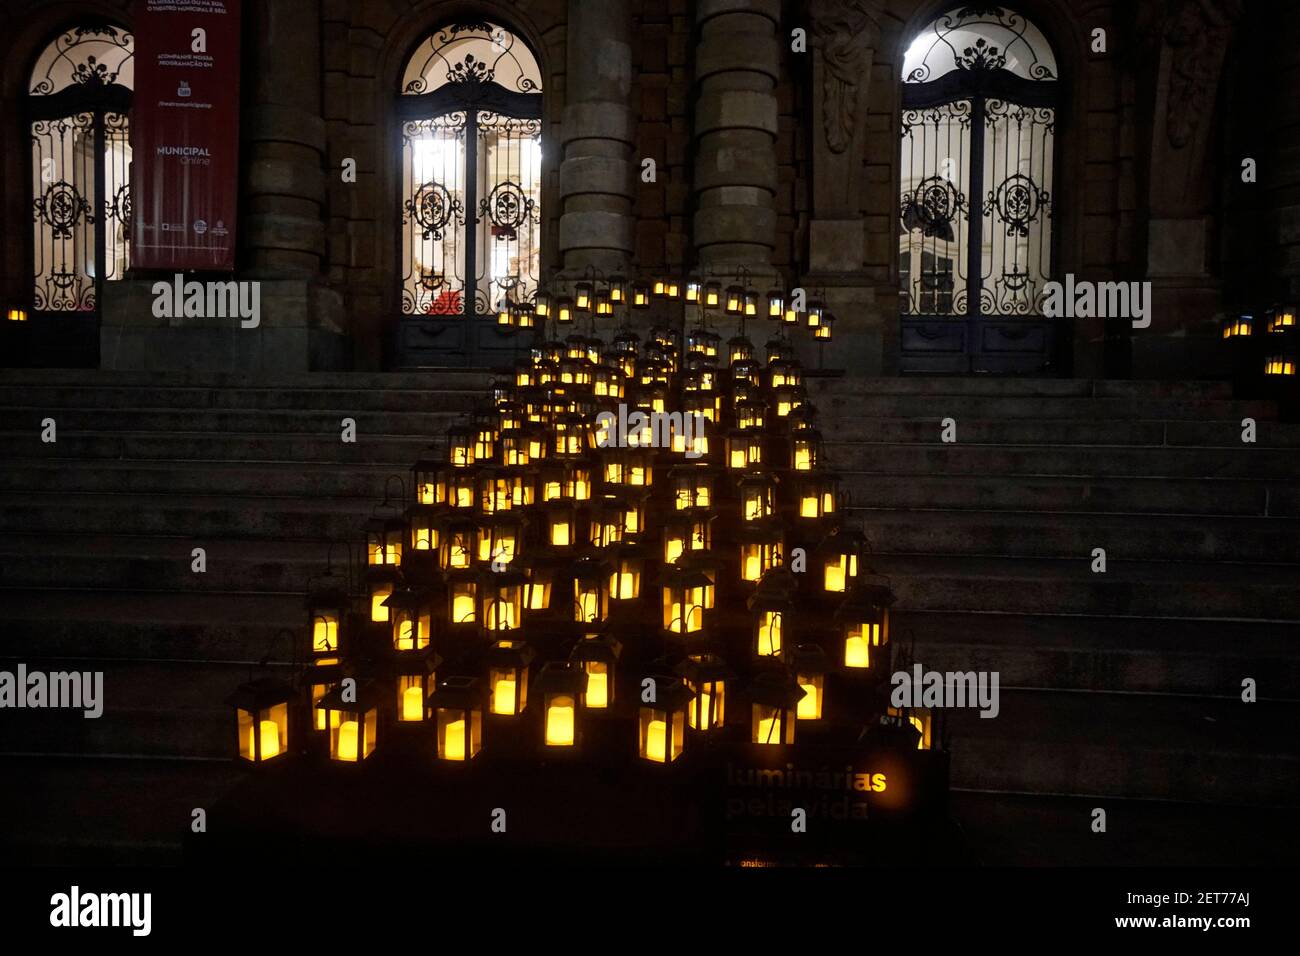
x,y
470,202
978,124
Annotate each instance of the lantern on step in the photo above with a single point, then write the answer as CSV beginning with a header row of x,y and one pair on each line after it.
x,y
352,716
786,398
862,623
457,708
539,577
757,491
542,305
692,486
816,496
1279,364
462,598
687,531
784,371
750,415
415,678
805,449
456,545
424,479
808,661
744,448
590,592
410,619
739,349
499,540
320,677
823,332
459,490
327,608
770,605
262,719
507,667
684,600
606,526
384,537
598,657
774,696
460,446
501,596
1281,318
515,447
564,309
661,726
627,567
707,676
762,548
423,521
816,312
640,296
381,582
560,684
838,559
734,300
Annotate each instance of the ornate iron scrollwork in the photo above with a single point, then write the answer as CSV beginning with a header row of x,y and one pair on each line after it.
x,y
432,207
932,206
507,207
62,208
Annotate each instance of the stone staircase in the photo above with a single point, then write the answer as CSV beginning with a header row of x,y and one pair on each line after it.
x,y
1120,689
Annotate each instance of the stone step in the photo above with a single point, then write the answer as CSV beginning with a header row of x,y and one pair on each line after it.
x,y
1146,589
1009,534
1063,460
400,450
162,563
197,516
1084,495
1012,829
49,820
52,399
354,480
139,624
1130,746
1016,407
80,421
1017,387
473,380
928,431
1209,658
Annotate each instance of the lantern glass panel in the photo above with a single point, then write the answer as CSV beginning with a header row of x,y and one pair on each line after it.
x,y
662,734
264,733
561,712
599,685
770,627
411,693
772,725
810,705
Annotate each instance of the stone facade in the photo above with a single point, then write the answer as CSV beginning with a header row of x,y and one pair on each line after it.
x,y
779,158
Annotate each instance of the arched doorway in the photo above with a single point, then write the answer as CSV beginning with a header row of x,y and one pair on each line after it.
x,y
470,112
979,100
77,116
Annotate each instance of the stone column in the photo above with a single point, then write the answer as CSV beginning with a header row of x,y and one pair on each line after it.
x,y
597,135
1182,339
736,69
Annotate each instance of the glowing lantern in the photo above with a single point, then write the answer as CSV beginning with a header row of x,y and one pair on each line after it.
x,y
784,371
561,534
762,547
590,592
415,679
703,343
750,415
582,295
381,582
1238,325
507,664
320,676
1282,318
456,544
384,540
460,446
706,675
499,540
693,289
423,522
775,304
734,302
774,696
687,531
537,588
605,302
684,600
662,724
457,706
672,288
569,436
564,310
560,685
918,721
16,314
805,449
598,657
327,609
786,398
625,577
778,350
462,598
459,489
816,310
1279,365
542,305
262,719
863,623
839,558
352,716
816,496
501,596
410,619
809,664
424,479
771,604
823,331
609,382
516,447
641,295
692,486
744,449
711,295
757,496
607,522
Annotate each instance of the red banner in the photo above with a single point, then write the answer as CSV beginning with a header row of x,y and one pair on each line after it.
x,y
185,134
